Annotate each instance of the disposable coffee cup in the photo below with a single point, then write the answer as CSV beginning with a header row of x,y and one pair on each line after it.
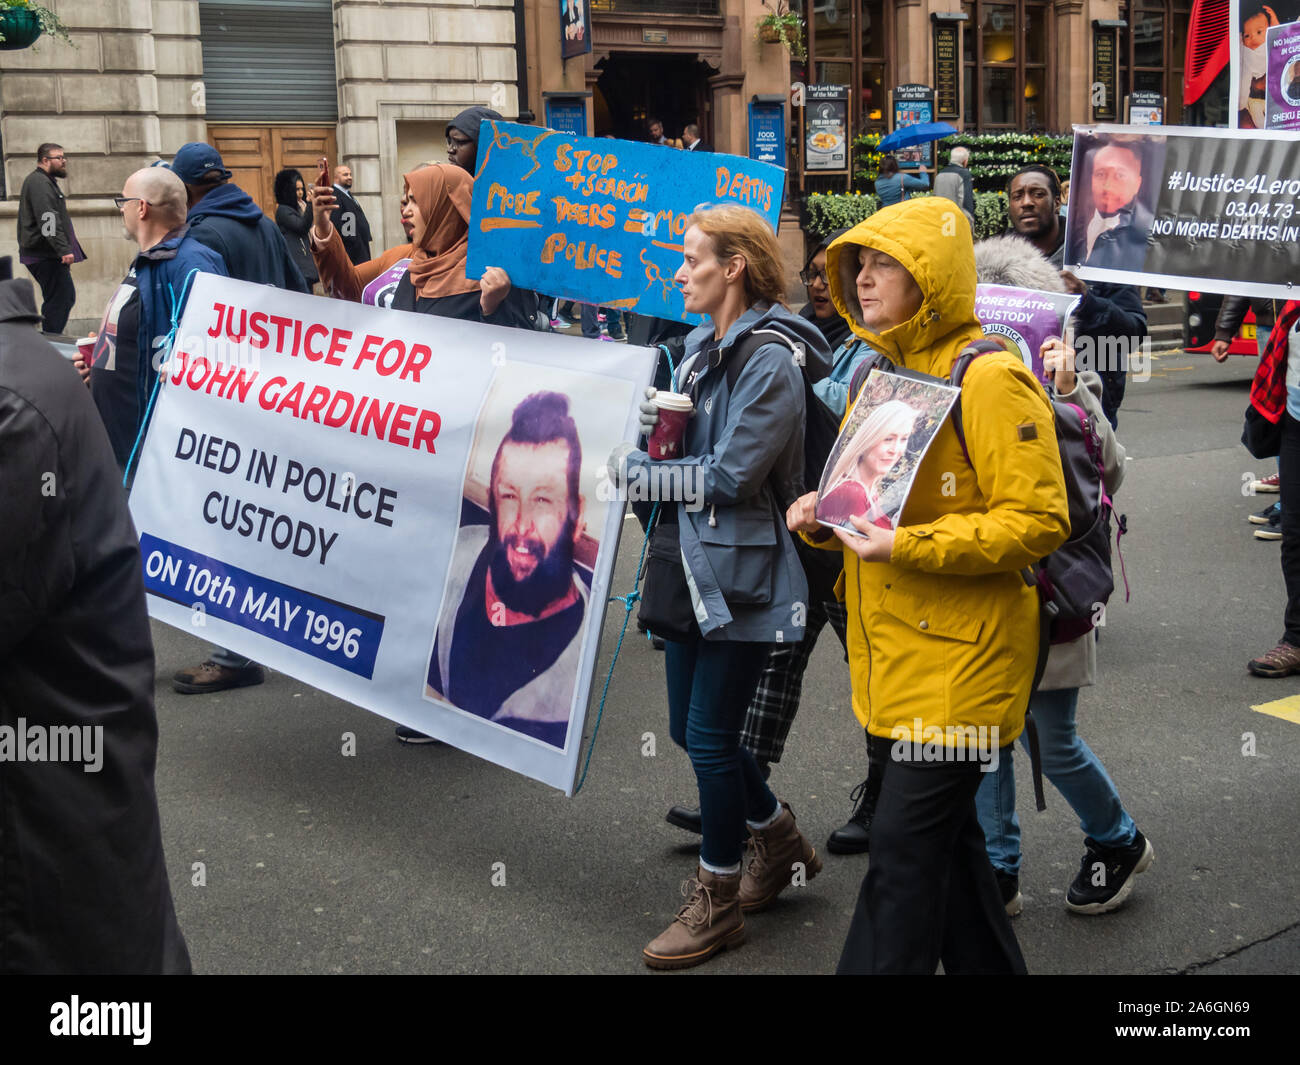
x,y
85,348
674,412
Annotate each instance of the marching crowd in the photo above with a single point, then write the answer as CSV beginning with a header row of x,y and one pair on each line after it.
x,y
940,627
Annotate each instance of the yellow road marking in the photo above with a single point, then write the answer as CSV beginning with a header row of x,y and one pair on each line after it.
x,y
1287,709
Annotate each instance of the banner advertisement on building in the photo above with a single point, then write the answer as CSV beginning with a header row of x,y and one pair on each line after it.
x,y
913,105
601,220
1209,209
1025,316
1145,108
767,131
408,512
1261,39
826,128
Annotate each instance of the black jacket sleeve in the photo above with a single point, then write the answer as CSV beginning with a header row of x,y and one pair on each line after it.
x,y
36,557
290,220
1111,310
1231,312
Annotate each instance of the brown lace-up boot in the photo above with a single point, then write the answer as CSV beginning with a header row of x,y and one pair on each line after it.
x,y
770,861
708,924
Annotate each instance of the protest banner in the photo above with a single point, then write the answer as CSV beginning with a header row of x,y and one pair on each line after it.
x,y
1260,47
403,510
601,220
1025,316
873,464
1208,209
1282,91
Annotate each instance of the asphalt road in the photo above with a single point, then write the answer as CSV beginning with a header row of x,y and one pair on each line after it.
x,y
317,862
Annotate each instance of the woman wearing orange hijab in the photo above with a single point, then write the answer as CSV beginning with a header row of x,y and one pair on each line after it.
x,y
438,207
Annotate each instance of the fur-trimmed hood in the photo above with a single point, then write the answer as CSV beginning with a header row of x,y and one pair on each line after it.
x,y
1009,259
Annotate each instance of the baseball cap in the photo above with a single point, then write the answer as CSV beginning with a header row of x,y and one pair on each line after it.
x,y
194,160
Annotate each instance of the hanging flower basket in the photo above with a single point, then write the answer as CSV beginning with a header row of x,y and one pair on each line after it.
x,y
23,21
20,27
785,28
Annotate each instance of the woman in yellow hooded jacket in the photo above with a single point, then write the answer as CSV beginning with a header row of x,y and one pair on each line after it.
x,y
943,628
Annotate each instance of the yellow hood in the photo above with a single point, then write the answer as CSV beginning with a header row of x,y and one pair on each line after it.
x,y
932,239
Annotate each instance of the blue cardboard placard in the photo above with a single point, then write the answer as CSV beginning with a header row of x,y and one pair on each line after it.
x,y
601,220
767,132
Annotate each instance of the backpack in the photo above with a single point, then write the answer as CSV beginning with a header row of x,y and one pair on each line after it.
x,y
1076,580
821,428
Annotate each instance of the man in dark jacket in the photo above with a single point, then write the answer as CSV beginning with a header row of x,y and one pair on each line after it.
x,y
83,883
47,246
1110,323
225,218
138,320
349,219
462,151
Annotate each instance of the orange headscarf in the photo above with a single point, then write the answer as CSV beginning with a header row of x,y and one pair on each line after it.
x,y
442,192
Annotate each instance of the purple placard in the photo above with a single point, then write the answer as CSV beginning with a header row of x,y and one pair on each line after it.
x,y
1283,86
1025,316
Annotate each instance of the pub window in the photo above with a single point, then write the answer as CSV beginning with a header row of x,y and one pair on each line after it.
x,y
849,44
1153,49
1005,65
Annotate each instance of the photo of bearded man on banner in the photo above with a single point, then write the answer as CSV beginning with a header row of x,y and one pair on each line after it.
x,y
1113,207
510,631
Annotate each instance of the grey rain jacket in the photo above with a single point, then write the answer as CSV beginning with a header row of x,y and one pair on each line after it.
x,y
743,466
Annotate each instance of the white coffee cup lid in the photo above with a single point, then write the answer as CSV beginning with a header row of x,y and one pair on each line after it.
x,y
674,401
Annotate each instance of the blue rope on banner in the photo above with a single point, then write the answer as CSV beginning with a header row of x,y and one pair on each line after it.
x,y
153,396
629,601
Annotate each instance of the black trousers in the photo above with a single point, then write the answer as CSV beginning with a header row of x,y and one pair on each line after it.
x,y
930,894
57,292
1288,468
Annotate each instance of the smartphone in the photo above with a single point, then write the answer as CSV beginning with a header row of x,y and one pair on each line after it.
x,y
323,174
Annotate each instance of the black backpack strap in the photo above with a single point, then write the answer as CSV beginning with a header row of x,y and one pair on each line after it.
x,y
743,350
955,377
859,378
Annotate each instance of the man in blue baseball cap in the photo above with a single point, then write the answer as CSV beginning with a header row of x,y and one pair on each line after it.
x,y
225,218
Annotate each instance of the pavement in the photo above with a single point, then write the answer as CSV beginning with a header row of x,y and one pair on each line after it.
x,y
289,855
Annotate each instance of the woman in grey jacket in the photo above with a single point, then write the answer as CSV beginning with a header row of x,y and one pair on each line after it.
x,y
742,465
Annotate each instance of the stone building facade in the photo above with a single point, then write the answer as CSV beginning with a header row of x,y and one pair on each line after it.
x,y
131,89
377,87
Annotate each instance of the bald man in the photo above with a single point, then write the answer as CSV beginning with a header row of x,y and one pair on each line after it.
x,y
127,355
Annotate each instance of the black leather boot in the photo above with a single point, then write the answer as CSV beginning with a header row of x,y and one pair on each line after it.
x,y
854,836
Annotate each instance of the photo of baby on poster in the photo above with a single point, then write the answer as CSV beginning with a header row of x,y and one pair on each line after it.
x,y
875,458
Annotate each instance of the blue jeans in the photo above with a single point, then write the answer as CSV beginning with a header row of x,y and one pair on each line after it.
x,y
1074,771
710,684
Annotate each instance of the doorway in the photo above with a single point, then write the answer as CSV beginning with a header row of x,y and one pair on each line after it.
x,y
635,87
255,154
